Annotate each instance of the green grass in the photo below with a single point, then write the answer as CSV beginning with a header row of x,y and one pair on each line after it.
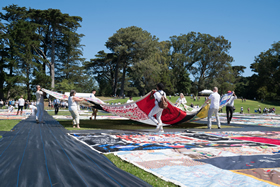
x,y
7,125
142,174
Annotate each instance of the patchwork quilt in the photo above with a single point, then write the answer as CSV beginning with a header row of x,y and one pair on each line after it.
x,y
192,158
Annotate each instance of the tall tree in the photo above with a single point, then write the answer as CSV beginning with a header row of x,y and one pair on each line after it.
x,y
205,55
267,69
103,68
131,45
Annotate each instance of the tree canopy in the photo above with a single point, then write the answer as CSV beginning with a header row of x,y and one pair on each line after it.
x,y
44,47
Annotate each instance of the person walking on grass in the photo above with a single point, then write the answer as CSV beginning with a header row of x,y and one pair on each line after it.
x,y
94,110
56,103
157,110
214,107
20,105
230,106
73,108
40,105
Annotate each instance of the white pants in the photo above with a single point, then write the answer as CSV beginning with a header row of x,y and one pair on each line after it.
x,y
210,113
75,115
158,111
40,112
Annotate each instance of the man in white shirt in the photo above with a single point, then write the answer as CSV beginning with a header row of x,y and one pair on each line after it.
x,y
130,100
214,107
39,104
20,105
229,107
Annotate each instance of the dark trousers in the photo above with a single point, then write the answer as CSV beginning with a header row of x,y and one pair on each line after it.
x,y
56,108
229,110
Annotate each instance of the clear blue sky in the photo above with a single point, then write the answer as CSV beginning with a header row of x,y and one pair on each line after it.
x,y
250,25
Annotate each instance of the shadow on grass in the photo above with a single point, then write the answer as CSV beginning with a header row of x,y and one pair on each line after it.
x,y
128,125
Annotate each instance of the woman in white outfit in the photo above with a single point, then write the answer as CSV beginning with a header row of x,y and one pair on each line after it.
x,y
181,102
157,110
73,108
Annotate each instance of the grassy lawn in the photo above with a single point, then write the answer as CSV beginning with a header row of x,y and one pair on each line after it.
x,y
142,174
7,125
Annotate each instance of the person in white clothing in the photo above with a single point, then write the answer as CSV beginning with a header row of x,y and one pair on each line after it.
x,y
229,107
214,107
10,108
21,103
157,110
94,110
130,100
39,104
181,102
73,108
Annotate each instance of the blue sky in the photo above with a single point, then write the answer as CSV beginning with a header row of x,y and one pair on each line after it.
x,y
250,25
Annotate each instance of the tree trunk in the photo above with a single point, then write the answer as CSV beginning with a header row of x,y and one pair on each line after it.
x,y
52,58
116,76
123,80
2,80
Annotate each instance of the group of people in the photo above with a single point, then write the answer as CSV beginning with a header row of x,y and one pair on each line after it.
x,y
156,111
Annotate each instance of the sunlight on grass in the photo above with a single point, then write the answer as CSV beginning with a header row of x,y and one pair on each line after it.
x,y
7,125
142,174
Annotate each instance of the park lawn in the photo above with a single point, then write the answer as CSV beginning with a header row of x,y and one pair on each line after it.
x,y
142,174
7,125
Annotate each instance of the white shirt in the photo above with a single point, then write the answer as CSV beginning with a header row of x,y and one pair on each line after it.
x,y
39,97
21,102
129,101
10,108
72,104
181,101
158,95
231,101
215,100
92,96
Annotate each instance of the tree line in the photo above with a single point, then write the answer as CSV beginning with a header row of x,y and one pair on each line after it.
x,y
44,47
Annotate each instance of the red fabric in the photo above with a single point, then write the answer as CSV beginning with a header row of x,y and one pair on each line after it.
x,y
259,139
171,115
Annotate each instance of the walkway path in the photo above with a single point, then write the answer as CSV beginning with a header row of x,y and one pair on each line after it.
x,y
44,155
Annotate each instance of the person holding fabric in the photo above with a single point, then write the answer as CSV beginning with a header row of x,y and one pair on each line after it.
x,y
157,110
181,102
56,103
214,107
39,104
20,105
73,108
94,110
230,106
